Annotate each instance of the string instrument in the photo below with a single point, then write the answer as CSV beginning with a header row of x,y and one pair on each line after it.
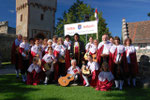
x,y
17,50
61,59
85,70
47,66
64,81
86,56
94,56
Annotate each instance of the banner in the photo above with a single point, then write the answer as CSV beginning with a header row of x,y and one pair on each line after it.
x,y
89,27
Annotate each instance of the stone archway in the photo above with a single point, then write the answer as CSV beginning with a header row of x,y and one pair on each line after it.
x,y
40,36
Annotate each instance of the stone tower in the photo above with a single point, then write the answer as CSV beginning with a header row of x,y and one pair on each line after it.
x,y
35,18
124,29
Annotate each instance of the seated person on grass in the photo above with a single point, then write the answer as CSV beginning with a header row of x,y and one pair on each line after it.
x,y
105,78
34,72
74,70
90,79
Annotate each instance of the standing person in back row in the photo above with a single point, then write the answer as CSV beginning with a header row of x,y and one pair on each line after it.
x,y
103,50
67,43
132,61
118,62
77,49
24,49
15,53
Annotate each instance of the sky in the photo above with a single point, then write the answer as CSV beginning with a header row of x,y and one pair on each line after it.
x,y
113,11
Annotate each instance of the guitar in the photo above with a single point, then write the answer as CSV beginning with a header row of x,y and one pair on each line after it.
x,y
47,66
86,56
64,81
94,57
85,70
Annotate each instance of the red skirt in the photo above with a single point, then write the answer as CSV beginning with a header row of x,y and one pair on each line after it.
x,y
94,79
33,78
104,86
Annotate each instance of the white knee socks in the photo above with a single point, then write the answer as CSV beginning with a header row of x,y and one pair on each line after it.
x,y
46,80
86,80
121,84
117,83
134,81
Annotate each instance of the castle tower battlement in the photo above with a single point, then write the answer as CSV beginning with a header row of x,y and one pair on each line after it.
x,y
35,18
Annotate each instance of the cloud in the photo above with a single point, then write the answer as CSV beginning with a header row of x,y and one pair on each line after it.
x,y
12,11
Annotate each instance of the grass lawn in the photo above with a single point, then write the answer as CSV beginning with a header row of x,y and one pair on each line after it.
x,y
13,89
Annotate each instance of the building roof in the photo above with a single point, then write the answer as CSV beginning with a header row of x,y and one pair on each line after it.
x,y
4,23
139,32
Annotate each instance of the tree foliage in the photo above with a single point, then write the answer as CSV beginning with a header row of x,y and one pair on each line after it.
x,y
76,13
148,14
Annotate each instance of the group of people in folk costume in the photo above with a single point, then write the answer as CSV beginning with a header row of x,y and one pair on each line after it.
x,y
109,61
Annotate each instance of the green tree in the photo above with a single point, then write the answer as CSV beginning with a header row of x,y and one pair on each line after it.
x,y
148,14
76,13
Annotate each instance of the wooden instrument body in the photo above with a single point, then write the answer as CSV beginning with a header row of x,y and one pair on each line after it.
x,y
94,57
86,56
64,81
47,66
85,71
17,50
61,59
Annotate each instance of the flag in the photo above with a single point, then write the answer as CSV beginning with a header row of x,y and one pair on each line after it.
x,y
96,14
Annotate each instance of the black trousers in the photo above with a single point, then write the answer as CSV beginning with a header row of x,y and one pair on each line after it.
x,y
25,65
50,75
16,63
131,73
103,60
119,73
61,69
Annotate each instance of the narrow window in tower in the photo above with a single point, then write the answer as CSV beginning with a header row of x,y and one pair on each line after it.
x,y
42,16
21,17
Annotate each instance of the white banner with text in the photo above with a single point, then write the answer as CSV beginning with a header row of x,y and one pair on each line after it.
x,y
89,27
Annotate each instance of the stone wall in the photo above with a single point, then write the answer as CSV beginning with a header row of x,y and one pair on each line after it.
x,y
141,52
3,29
143,57
6,42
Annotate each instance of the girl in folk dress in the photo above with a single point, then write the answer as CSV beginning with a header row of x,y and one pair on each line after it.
x,y
48,65
67,43
89,45
118,62
36,50
90,79
55,38
49,42
33,72
131,60
59,53
105,78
